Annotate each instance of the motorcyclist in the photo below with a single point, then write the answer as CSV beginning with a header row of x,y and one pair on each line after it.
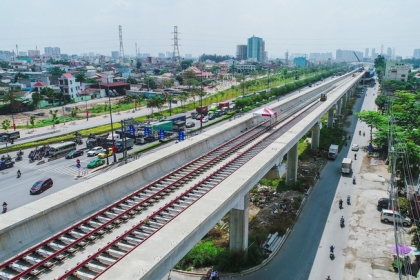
x,y
340,202
328,278
342,220
332,249
18,173
4,207
360,132
363,133
354,179
355,156
348,199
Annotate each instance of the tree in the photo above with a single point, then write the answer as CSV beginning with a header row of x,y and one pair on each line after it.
x,y
32,121
194,94
12,97
382,101
54,118
131,80
373,119
151,103
49,93
5,124
185,64
240,103
183,97
138,64
56,71
36,98
150,82
167,83
380,65
4,64
80,76
74,111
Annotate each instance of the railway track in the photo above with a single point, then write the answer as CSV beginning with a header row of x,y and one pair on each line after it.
x,y
98,228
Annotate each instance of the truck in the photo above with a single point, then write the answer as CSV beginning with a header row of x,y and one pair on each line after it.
x,y
213,107
164,125
346,166
223,105
203,110
177,118
122,144
333,151
96,140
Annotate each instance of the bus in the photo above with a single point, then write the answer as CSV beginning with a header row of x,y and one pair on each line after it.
x,y
61,148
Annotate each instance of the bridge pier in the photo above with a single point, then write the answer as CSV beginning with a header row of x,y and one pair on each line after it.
x,y
330,121
292,165
238,229
338,111
315,135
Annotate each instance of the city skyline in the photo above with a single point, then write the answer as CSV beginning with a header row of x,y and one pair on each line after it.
x,y
210,27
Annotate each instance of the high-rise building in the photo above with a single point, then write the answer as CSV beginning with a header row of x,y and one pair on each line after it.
x,y
256,49
241,52
23,53
346,55
6,55
91,54
320,56
373,54
169,54
367,52
115,54
161,55
389,52
416,54
34,53
52,51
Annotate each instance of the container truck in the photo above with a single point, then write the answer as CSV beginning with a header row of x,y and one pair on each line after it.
x,y
122,144
213,108
165,125
346,166
96,140
223,105
204,110
333,151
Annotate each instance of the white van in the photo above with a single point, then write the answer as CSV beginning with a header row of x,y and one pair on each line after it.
x,y
388,216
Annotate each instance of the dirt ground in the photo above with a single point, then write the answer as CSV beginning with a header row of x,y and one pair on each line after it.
x,y
368,255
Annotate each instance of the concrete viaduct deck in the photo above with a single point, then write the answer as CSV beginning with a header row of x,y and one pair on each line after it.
x,y
160,253
35,222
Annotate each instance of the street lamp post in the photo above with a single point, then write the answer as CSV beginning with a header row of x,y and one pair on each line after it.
x,y
268,78
243,84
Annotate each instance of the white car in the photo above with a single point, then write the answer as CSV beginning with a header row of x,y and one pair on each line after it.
x,y
95,151
205,119
354,147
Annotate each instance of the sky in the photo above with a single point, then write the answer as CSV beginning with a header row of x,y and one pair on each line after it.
x,y
211,27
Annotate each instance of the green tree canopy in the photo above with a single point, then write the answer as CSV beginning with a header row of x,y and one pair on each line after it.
x,y
373,119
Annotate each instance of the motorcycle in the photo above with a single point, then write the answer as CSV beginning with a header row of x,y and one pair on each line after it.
x,y
363,133
4,208
355,156
332,252
354,180
340,204
348,200
18,174
20,153
342,223
360,132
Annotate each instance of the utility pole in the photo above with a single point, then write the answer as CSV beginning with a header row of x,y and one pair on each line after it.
x,y
176,58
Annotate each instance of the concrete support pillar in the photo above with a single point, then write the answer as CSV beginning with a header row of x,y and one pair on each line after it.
x,y
330,117
344,100
292,165
315,136
238,230
338,111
